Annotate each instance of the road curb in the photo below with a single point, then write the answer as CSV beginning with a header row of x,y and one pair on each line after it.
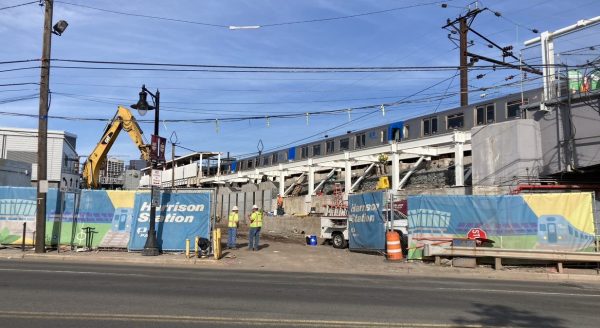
x,y
405,269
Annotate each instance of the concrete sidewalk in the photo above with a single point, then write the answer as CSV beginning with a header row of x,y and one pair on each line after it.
x,y
290,254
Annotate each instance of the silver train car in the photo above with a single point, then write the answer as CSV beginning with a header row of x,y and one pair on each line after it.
x,y
462,118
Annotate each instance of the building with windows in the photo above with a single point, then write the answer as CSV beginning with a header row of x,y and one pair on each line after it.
x,y
21,145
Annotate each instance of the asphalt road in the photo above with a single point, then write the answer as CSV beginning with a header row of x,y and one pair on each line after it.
x,y
59,294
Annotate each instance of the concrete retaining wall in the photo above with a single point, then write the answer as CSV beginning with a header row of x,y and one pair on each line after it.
x,y
310,225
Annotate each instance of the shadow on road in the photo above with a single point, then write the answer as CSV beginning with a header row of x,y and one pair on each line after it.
x,y
506,316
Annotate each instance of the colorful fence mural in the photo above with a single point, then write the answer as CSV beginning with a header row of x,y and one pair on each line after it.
x,y
108,213
536,221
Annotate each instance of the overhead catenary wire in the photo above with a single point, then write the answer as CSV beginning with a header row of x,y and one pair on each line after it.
x,y
19,5
233,26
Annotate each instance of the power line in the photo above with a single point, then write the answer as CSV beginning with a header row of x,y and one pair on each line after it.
x,y
19,5
255,25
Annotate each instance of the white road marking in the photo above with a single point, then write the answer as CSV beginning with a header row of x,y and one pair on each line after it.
x,y
75,272
215,319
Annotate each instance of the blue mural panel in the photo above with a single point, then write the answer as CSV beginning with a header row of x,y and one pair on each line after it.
x,y
366,223
180,216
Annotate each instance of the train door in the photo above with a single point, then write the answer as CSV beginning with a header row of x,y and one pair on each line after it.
x,y
551,231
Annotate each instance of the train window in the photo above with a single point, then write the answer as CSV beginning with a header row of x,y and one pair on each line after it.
x,y
304,152
361,140
490,114
382,137
430,126
570,230
542,227
455,121
513,108
344,144
405,131
317,150
330,146
283,156
250,163
274,158
266,161
396,136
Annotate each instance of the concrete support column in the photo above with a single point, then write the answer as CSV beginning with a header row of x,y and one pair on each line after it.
x,y
347,174
395,169
281,181
311,180
459,154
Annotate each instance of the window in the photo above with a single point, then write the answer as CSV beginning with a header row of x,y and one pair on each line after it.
x,y
382,137
344,144
513,108
274,158
317,150
250,163
283,156
405,131
304,152
455,121
490,113
396,136
430,126
485,114
330,146
266,161
361,140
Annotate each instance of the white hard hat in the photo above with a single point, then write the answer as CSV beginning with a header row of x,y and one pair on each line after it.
x,y
254,206
235,208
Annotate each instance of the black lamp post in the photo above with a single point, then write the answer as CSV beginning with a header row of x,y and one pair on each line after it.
x,y
151,246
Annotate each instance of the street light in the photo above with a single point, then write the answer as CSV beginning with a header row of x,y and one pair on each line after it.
x,y
42,146
142,106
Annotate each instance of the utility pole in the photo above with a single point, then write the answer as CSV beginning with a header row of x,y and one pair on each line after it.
x,y
174,141
464,79
42,164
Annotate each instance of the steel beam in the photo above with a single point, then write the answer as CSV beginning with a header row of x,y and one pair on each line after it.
x,y
410,172
357,182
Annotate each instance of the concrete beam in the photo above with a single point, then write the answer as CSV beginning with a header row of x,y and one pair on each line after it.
x,y
347,175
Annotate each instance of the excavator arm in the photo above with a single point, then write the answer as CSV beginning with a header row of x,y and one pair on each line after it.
x,y
123,120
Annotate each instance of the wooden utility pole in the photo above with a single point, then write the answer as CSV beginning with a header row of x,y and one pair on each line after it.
x,y
464,79
42,164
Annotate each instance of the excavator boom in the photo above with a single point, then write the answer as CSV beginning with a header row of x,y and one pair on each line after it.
x,y
123,120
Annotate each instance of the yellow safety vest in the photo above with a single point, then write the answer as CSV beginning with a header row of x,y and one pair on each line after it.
x,y
256,220
233,220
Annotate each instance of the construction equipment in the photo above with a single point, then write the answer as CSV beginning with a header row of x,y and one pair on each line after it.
x,y
123,120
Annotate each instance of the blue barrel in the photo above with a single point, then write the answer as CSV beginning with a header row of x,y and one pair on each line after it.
x,y
312,240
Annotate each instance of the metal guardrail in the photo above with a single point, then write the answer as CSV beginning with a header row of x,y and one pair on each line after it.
x,y
503,253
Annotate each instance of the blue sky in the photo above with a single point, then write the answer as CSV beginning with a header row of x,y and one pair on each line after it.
x,y
407,37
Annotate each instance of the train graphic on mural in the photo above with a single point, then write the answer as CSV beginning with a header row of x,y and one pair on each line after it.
x,y
555,232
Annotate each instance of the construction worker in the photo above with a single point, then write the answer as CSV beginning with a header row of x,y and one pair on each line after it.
x,y
232,224
255,225
279,205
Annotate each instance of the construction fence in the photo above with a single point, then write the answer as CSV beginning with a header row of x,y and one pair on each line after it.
x,y
105,218
553,221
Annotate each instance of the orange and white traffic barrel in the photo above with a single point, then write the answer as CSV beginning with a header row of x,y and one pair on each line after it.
x,y
394,250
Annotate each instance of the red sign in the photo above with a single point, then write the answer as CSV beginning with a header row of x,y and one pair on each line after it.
x,y
157,150
401,206
476,233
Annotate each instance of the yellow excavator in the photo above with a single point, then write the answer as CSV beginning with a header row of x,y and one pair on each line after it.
x,y
123,120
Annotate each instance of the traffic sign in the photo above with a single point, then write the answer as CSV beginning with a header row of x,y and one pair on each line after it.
x,y
156,178
476,233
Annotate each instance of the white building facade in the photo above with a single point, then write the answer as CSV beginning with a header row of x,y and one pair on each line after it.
x,y
21,145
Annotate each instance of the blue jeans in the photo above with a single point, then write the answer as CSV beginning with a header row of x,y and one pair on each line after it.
x,y
253,238
231,236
